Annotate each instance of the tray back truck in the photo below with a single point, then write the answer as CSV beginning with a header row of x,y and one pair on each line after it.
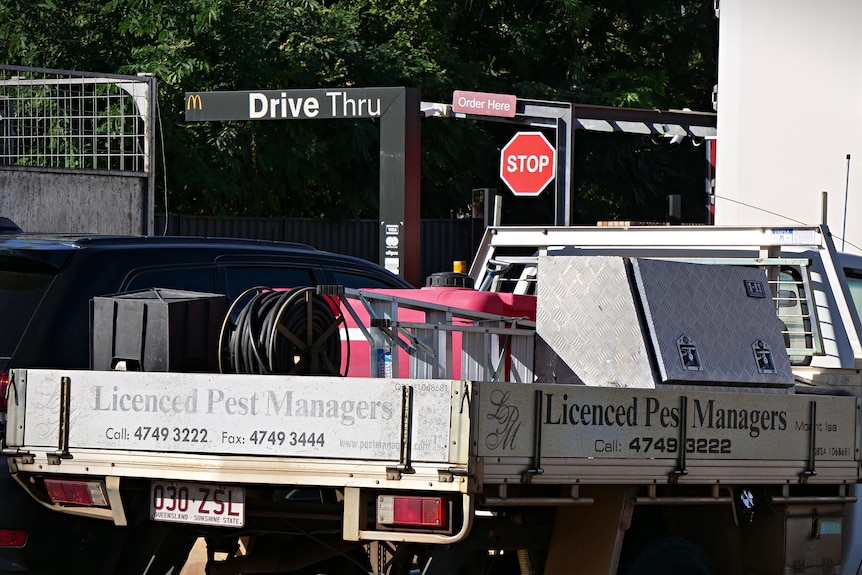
x,y
588,400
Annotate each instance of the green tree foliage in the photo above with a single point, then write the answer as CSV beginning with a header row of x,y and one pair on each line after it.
x,y
637,53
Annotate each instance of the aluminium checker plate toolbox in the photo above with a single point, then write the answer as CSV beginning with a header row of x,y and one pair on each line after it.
x,y
634,322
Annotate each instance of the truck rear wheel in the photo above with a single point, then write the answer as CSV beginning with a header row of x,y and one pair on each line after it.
x,y
670,556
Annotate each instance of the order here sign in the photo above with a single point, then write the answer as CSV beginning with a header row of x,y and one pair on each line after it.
x,y
484,103
527,163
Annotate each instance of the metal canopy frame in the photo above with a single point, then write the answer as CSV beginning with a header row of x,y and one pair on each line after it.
x,y
566,117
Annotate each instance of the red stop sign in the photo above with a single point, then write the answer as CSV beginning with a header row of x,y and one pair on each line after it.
x,y
528,163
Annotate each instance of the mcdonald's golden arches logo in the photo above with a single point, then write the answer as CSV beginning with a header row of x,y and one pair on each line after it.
x,y
194,102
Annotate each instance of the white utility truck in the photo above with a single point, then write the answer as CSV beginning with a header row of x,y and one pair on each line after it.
x,y
589,400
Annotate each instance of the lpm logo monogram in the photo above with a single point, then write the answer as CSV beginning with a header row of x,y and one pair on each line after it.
x,y
194,102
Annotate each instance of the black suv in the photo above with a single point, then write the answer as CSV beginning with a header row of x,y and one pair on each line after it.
x,y
46,285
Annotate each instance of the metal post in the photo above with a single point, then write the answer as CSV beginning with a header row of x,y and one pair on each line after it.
x,y
846,190
400,151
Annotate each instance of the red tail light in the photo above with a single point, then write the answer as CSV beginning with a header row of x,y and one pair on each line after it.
x,y
4,389
12,538
89,493
411,511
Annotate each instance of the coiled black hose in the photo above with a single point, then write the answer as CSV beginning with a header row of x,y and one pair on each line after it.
x,y
292,332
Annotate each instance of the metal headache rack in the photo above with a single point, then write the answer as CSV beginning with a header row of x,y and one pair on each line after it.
x,y
507,262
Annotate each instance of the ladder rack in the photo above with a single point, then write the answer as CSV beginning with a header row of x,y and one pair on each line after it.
x,y
442,341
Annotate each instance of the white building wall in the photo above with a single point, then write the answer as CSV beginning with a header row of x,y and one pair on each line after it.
x,y
789,113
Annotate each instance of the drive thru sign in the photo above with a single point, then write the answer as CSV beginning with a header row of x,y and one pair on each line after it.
x,y
527,163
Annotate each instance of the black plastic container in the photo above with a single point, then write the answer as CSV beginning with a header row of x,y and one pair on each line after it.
x,y
157,330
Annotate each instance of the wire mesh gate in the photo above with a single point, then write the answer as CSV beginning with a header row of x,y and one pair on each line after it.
x,y
75,120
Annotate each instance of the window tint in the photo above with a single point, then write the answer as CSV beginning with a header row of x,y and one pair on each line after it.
x,y
240,278
183,278
20,294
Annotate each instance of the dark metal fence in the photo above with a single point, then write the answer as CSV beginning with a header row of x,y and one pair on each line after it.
x,y
441,241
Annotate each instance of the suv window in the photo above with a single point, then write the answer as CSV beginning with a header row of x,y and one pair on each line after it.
x,y
21,290
192,278
240,278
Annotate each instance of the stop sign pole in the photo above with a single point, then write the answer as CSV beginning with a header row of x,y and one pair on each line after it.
x,y
528,164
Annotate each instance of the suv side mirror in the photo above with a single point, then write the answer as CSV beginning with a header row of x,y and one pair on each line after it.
x,y
7,226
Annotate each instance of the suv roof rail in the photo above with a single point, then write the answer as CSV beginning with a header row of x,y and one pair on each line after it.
x,y
81,239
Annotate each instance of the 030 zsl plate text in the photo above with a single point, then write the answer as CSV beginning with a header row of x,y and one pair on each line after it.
x,y
200,503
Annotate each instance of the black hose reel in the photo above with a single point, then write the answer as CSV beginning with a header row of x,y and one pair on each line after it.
x,y
293,332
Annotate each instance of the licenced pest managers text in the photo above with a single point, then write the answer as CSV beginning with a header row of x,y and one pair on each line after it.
x,y
707,414
216,402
